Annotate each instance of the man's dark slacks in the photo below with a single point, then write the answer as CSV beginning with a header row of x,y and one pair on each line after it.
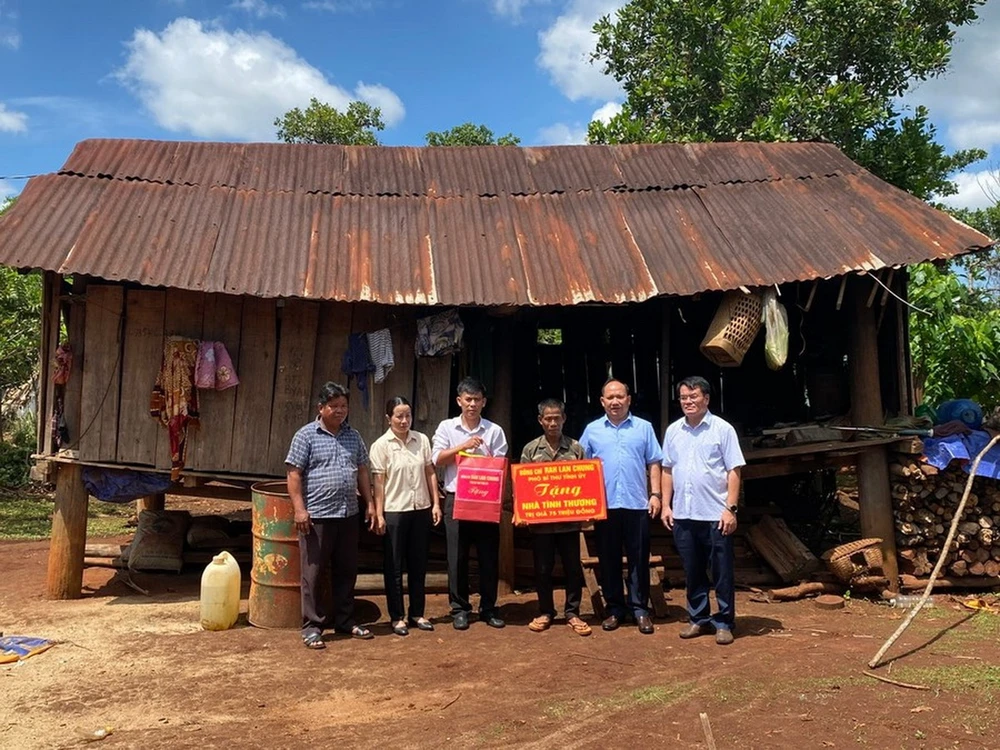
x,y
461,536
703,550
332,543
567,544
628,529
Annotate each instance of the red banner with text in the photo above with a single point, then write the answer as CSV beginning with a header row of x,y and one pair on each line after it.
x,y
558,491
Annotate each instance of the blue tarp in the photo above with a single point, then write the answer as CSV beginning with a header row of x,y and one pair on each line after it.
x,y
116,486
942,451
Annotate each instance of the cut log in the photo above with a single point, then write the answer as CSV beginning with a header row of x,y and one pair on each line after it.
x,y
792,593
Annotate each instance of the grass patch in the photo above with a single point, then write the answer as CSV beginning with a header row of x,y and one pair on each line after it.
x,y
662,695
963,677
28,517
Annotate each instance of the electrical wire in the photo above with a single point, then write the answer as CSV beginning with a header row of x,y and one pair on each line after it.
x,y
912,307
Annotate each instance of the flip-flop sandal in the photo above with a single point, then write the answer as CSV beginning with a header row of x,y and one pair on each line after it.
x,y
361,633
313,641
540,623
578,626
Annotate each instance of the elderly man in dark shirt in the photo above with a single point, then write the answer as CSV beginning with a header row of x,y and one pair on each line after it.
x,y
327,466
553,537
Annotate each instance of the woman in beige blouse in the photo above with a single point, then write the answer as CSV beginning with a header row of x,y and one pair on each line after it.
x,y
406,506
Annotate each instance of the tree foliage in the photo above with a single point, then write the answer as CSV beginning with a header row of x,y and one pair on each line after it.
x,y
781,70
20,321
322,123
956,347
470,134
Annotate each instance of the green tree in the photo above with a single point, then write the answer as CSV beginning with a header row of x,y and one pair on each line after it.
x,y
955,342
20,321
469,134
781,70
322,123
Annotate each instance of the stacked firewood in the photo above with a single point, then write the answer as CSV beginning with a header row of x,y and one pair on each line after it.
x,y
924,504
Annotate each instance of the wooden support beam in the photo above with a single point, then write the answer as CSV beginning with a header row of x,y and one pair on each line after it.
x,y
874,495
69,535
501,408
151,502
666,386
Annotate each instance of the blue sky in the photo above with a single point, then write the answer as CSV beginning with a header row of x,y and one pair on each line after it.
x,y
224,69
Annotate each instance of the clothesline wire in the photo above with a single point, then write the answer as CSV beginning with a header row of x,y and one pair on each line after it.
x,y
905,302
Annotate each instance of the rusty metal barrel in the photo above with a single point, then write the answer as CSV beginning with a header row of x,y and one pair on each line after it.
x,y
276,574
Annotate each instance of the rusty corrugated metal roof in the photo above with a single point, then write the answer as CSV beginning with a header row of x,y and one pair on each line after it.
x,y
491,226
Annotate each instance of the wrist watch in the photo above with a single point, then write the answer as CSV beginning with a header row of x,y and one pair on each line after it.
x,y
657,495
734,509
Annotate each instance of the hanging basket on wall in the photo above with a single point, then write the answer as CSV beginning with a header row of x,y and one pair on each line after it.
x,y
733,329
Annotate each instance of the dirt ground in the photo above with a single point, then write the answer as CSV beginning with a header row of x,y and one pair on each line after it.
x,y
793,679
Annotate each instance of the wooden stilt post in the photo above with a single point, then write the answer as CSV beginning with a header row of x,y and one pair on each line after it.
x,y
69,535
866,409
501,408
151,502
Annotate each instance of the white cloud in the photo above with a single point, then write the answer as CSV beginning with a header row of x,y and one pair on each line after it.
x,y
967,97
12,121
975,189
566,47
382,97
607,112
512,8
561,134
9,35
7,190
259,8
342,6
218,84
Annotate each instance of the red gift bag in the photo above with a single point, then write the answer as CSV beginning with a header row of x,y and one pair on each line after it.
x,y
479,491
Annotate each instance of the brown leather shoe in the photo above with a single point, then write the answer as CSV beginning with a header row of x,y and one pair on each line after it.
x,y
611,623
723,637
693,630
645,624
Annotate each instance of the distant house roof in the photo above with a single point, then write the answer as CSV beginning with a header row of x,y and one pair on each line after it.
x,y
485,225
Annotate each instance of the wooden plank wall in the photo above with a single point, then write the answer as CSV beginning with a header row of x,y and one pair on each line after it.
x,y
100,373
283,353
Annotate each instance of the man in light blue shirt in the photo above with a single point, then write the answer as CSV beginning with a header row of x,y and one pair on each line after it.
x,y
701,489
627,447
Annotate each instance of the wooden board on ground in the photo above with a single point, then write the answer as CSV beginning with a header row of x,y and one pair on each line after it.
x,y
293,379
141,359
213,449
254,394
101,372
781,549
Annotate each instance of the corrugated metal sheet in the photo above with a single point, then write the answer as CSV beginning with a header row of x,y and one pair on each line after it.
x,y
490,226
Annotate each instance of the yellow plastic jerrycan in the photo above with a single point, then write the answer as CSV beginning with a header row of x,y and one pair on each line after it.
x,y
220,593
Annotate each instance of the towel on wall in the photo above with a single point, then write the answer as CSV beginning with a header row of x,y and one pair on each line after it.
x,y
214,367
357,363
380,351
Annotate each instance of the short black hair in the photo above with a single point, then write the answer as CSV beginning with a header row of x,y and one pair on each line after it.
x,y
551,403
695,381
392,403
609,381
332,390
472,386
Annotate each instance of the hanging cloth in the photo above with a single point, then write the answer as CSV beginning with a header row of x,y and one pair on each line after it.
x,y
439,334
357,363
380,350
174,401
214,367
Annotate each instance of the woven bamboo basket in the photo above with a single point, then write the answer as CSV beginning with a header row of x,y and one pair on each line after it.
x,y
733,329
854,560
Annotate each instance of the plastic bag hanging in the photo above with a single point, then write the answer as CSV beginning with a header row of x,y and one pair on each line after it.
x,y
776,337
